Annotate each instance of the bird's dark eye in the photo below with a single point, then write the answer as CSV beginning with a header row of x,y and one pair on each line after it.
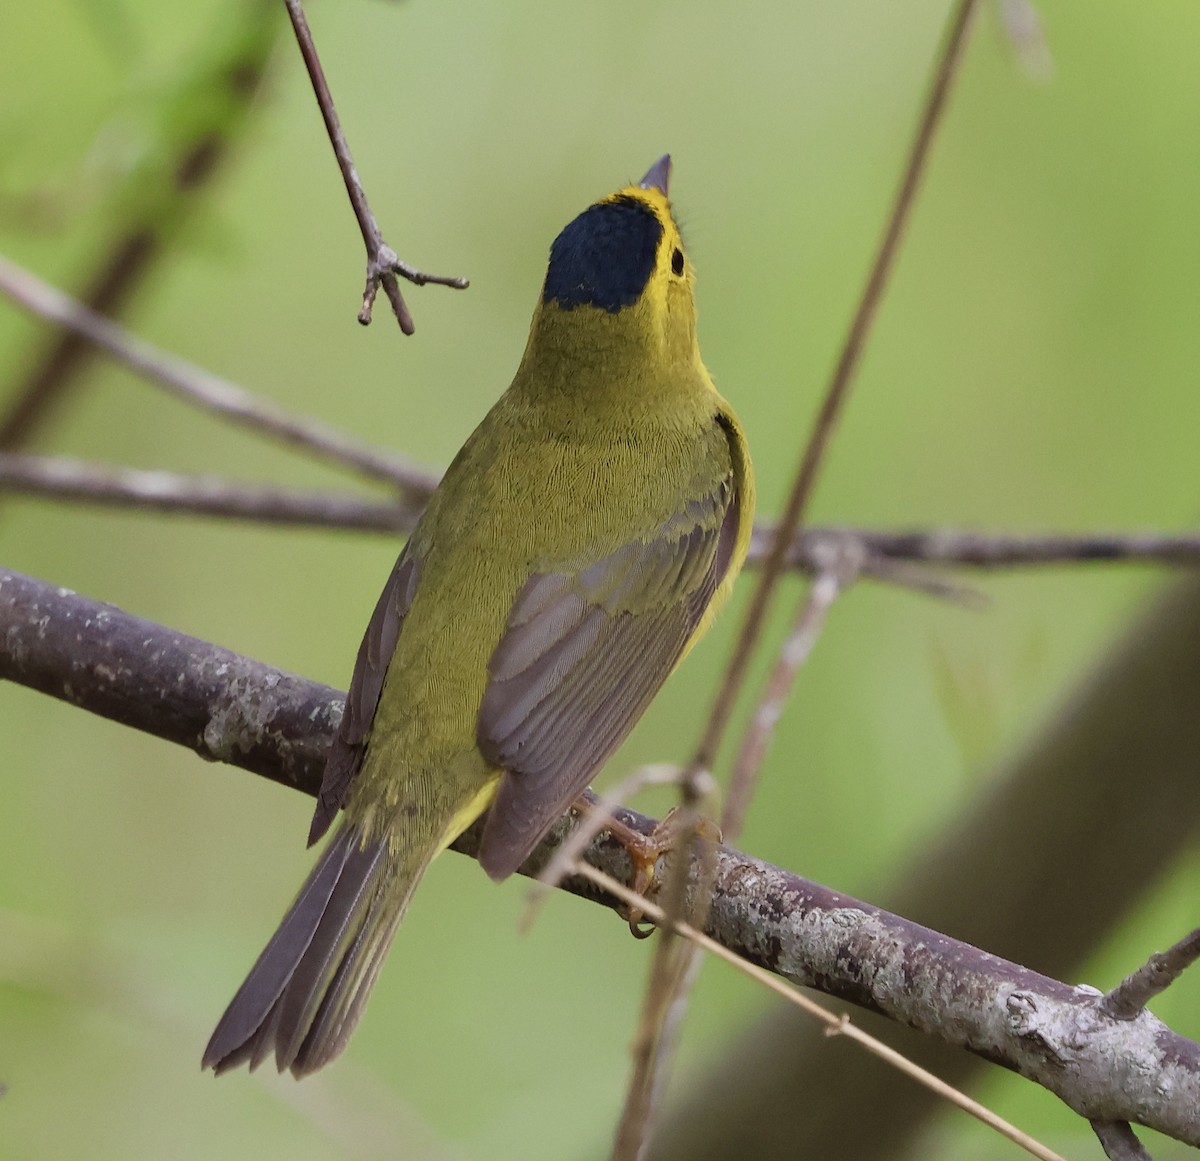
x,y
677,261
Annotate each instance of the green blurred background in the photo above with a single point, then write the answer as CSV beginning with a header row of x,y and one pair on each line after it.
x,y
1033,367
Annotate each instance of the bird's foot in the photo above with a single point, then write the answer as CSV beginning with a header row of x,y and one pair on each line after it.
x,y
645,851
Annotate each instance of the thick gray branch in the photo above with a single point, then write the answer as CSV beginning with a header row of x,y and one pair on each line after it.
x,y
1058,846
229,708
225,707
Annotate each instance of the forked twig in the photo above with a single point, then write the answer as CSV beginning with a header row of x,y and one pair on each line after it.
x,y
383,263
809,620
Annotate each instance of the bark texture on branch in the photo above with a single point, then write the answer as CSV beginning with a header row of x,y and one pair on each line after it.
x,y
230,708
1064,843
225,707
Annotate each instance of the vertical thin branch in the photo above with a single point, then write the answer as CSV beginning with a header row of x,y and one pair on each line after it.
x,y
671,969
839,386
333,125
383,264
671,979
809,620
671,962
676,963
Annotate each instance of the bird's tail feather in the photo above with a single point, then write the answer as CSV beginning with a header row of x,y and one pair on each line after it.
x,y
306,991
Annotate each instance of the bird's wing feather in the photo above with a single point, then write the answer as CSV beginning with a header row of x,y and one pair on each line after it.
x,y
374,654
584,651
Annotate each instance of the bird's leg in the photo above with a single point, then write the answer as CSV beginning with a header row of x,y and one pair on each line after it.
x,y
645,850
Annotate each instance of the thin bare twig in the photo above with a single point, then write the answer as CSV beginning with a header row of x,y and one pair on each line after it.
x,y
138,489
200,388
839,386
911,575
1119,1141
836,394
811,613
903,558
670,962
959,548
896,558
1157,974
383,263
835,1025
692,850
194,136
677,965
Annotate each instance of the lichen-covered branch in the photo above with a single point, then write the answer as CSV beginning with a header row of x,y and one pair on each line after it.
x,y
225,707
1056,1034
229,708
1059,844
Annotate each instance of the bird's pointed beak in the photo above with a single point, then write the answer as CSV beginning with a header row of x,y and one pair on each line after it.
x,y
658,176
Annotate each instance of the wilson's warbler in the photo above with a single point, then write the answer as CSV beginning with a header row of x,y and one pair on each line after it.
x,y
579,544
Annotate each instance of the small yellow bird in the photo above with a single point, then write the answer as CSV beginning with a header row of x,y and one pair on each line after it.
x,y
579,544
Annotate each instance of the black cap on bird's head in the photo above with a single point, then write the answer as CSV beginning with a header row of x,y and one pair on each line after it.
x,y
606,255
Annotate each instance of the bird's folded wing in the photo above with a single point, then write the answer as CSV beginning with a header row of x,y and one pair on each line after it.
x,y
584,651
374,654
